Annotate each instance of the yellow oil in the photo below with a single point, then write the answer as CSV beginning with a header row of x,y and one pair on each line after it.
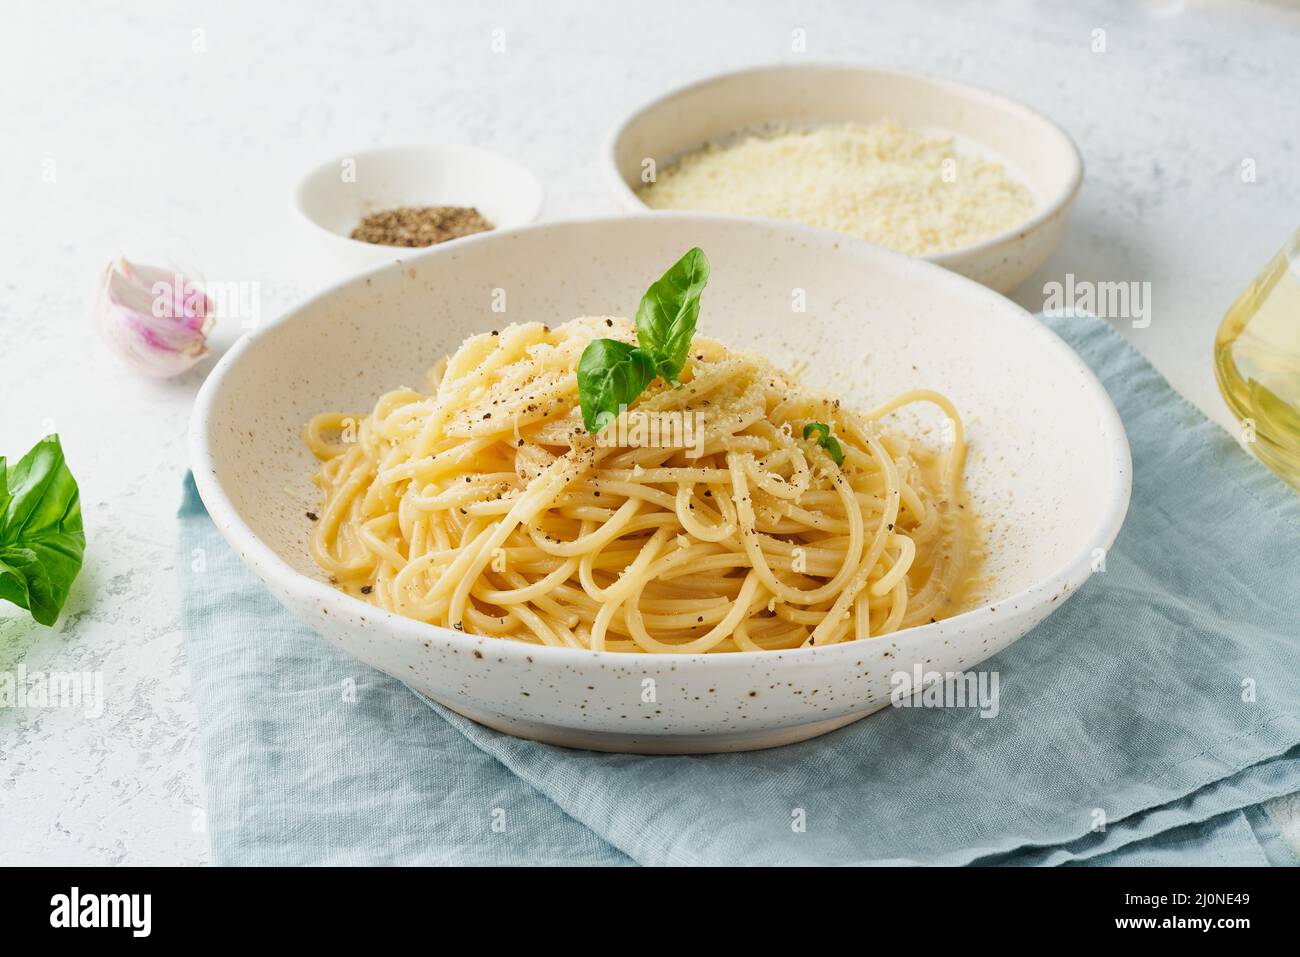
x,y
1257,363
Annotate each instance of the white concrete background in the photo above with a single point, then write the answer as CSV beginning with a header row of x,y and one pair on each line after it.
x,y
173,156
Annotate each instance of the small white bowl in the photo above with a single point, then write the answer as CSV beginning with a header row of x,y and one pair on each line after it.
x,y
335,196
1034,150
1048,468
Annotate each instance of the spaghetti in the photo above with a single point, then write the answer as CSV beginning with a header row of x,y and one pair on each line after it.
x,y
700,521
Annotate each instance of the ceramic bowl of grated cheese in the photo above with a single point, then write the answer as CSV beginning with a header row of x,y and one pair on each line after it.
x,y
960,176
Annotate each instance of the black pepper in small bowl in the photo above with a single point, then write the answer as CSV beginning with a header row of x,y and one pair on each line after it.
x,y
420,225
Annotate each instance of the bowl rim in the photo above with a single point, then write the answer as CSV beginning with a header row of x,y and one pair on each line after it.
x,y
465,149
1044,212
267,564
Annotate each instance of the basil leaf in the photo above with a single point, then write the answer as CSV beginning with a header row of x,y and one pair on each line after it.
x,y
41,537
611,374
825,440
832,445
666,317
820,427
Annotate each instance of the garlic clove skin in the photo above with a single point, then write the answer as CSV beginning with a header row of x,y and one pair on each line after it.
x,y
155,319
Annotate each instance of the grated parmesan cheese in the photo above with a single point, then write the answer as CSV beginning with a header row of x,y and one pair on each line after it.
x,y
884,183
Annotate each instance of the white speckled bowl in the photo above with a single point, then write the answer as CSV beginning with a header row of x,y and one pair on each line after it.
x,y
1048,470
1034,150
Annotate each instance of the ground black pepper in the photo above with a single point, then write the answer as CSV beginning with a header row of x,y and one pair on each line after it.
x,y
420,225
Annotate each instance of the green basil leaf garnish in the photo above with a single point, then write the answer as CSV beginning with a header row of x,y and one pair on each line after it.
x,y
825,440
41,537
611,374
666,317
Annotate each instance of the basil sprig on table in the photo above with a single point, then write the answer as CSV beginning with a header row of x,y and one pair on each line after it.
x,y
41,537
825,440
611,374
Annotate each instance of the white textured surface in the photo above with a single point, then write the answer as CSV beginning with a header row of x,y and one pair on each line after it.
x,y
175,156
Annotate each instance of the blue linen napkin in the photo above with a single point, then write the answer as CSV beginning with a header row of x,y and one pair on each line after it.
x,y
310,757
1144,722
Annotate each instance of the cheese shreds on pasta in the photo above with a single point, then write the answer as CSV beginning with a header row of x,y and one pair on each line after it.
x,y
884,183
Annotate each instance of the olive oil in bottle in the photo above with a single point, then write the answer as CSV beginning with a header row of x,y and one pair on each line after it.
x,y
1257,363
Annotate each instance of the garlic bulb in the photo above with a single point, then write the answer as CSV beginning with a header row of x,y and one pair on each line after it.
x,y
157,320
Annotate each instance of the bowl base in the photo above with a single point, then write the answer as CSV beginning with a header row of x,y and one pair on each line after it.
x,y
619,743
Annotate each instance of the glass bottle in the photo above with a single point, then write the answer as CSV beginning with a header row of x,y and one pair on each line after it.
x,y
1257,363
